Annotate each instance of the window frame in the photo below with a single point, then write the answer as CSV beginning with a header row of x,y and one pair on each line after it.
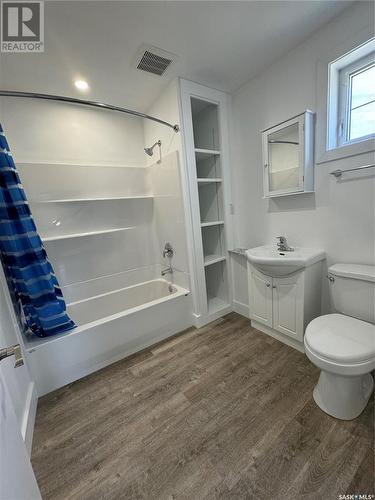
x,y
326,149
345,77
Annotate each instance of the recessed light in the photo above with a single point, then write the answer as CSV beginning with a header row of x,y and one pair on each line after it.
x,y
81,84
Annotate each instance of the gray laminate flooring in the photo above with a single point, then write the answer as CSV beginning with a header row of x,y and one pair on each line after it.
x,y
223,412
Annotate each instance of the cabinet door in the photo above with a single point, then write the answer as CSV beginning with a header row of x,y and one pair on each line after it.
x,y
260,290
288,305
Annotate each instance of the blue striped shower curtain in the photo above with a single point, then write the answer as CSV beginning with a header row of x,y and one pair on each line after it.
x,y
31,280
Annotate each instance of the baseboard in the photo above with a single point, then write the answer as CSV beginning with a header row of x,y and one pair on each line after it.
x,y
278,336
201,320
241,308
28,420
197,320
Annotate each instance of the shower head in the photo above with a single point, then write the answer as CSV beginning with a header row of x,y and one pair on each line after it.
x,y
150,151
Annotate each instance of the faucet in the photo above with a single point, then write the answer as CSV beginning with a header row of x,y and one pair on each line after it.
x,y
168,251
282,245
166,271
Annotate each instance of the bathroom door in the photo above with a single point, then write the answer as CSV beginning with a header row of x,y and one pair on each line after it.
x,y
17,403
17,480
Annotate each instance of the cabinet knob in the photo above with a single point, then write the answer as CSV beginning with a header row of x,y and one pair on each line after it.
x,y
274,286
268,285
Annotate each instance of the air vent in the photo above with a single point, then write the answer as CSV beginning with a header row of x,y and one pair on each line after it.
x,y
155,61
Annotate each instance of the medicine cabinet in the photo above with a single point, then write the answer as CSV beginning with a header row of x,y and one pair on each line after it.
x,y
288,157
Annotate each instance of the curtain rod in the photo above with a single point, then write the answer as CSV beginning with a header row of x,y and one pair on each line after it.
x,y
94,104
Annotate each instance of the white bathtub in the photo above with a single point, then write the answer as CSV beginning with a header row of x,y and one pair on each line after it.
x,y
110,326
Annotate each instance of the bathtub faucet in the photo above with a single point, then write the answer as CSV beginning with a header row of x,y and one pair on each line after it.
x,y
166,271
168,251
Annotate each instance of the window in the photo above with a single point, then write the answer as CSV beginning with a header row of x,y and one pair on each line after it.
x,y
351,105
357,101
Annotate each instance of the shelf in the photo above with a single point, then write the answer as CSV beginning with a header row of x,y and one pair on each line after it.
x,y
203,154
213,259
215,304
208,180
214,223
82,235
73,200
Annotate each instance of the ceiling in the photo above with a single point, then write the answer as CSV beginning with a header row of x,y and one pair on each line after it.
x,y
220,43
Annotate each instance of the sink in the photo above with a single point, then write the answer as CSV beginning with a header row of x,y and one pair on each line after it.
x,y
272,262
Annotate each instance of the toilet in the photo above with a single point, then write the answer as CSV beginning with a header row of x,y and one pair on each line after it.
x,y
342,344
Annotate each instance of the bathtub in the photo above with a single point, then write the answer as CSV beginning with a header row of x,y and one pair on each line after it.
x,y
110,326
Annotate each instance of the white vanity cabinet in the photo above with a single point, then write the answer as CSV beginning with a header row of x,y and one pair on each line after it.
x,y
288,166
283,306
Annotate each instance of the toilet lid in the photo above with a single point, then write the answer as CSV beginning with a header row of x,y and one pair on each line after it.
x,y
341,338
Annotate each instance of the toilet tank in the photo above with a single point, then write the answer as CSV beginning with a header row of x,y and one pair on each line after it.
x,y
353,290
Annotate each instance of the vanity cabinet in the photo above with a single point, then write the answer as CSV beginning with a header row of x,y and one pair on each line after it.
x,y
288,166
283,306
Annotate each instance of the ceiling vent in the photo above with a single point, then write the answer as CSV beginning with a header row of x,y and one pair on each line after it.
x,y
154,60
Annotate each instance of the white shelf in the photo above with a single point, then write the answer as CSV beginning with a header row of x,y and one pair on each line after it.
x,y
72,200
213,259
82,235
203,154
207,180
214,223
215,304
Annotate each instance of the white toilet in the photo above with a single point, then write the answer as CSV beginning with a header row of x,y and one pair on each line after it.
x,y
343,345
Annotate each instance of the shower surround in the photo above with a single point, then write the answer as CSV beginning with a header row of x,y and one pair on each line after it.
x,y
104,217
103,228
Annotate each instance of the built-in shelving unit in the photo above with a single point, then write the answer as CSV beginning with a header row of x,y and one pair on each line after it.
x,y
207,145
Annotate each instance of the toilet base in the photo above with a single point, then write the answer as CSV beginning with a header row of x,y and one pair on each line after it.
x,y
343,397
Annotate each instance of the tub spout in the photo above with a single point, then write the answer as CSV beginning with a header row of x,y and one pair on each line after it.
x,y
166,271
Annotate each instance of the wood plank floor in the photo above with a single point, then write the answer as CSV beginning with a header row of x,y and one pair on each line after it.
x,y
224,412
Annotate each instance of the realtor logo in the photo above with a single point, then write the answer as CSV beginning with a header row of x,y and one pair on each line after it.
x,y
22,26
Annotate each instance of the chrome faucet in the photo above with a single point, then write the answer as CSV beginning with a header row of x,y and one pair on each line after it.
x,y
166,271
282,245
168,251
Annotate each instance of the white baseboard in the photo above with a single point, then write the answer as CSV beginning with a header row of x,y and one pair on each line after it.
x,y
28,420
203,320
241,308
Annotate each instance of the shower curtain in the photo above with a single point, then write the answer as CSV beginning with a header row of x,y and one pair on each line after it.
x,y
33,285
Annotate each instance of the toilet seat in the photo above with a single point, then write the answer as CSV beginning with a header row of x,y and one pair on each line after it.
x,y
341,344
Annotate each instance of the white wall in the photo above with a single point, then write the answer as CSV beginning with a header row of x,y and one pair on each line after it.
x,y
339,217
53,132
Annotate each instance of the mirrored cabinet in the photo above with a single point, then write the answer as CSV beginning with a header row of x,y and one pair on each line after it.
x,y
288,157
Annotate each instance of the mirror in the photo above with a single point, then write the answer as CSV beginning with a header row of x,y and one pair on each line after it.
x,y
288,156
283,158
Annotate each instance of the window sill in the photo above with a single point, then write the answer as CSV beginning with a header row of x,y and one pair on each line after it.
x,y
346,151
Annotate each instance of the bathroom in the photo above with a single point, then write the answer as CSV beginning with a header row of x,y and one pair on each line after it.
x,y
218,339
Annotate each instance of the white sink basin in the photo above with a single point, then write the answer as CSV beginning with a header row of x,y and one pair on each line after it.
x,y
274,263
